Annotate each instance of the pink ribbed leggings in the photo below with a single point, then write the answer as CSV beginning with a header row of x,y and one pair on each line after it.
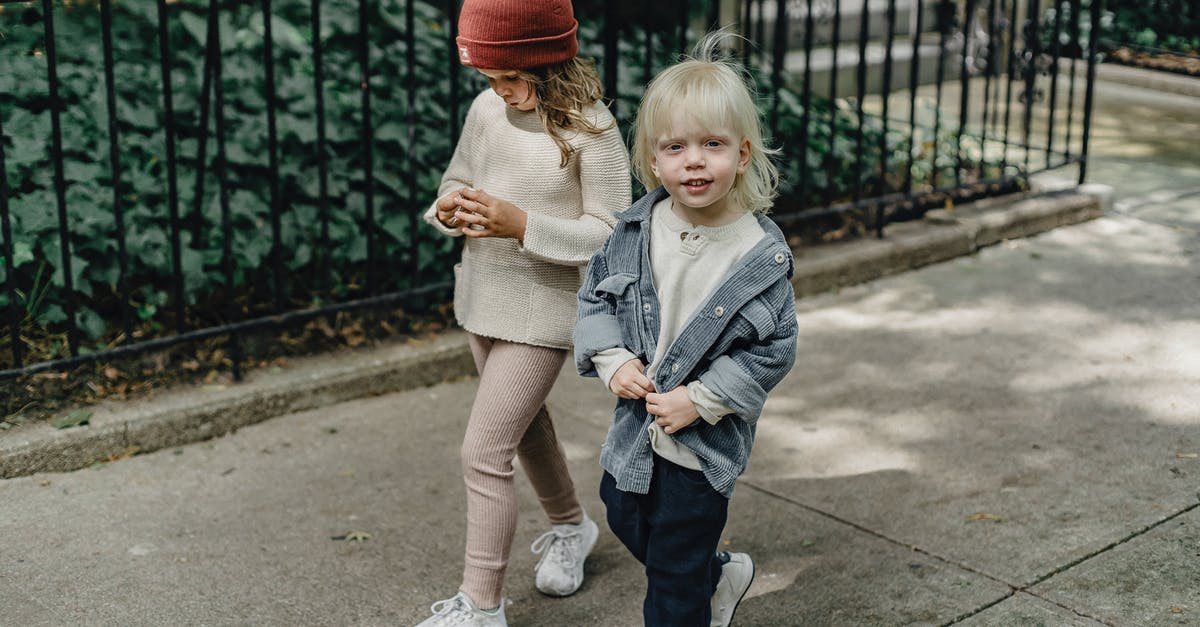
x,y
509,419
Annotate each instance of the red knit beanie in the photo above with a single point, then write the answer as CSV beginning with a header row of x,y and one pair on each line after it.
x,y
516,34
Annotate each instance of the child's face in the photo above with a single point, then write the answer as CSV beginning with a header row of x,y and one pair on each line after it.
x,y
698,165
515,91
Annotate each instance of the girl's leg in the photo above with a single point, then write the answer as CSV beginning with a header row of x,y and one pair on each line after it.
x,y
545,464
513,384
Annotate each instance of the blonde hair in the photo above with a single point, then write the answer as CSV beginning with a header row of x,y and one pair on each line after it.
x,y
563,91
715,93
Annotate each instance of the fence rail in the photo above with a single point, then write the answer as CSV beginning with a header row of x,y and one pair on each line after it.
x,y
896,146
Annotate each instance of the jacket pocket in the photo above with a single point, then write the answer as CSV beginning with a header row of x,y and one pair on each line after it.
x,y
613,287
620,290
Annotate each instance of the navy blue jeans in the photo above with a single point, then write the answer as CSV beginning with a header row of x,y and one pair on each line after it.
x,y
673,530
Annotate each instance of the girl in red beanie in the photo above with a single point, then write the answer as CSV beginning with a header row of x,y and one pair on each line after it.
x,y
532,184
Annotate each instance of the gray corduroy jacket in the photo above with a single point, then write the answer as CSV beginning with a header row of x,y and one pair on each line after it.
x,y
739,343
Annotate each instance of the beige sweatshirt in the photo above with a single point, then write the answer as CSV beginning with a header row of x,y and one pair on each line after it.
x,y
526,294
688,263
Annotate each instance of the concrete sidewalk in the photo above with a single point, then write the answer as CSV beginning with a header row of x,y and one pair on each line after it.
x,y
1008,438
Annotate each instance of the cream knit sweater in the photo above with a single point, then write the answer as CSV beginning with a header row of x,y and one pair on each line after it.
x,y
526,294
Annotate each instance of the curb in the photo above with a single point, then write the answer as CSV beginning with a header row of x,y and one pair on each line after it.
x,y
196,413
1156,80
942,235
193,414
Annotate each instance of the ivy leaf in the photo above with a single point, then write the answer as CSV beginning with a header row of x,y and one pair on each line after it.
x,y
79,171
22,254
76,418
90,323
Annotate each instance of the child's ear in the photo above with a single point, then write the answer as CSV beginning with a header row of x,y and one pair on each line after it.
x,y
743,156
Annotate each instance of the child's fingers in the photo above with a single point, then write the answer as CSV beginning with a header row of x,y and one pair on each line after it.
x,y
473,206
476,195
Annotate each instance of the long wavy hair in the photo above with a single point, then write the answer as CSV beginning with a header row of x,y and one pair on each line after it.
x,y
564,91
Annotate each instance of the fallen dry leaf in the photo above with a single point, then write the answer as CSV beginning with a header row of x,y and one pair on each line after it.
x,y
125,454
353,536
978,516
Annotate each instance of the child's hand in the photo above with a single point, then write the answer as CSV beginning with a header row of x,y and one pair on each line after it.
x,y
446,207
498,217
630,380
673,410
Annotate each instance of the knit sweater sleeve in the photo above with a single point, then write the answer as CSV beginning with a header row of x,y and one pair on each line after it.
x,y
605,188
459,173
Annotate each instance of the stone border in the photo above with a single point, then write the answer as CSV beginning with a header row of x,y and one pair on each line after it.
x,y
942,235
1156,80
195,413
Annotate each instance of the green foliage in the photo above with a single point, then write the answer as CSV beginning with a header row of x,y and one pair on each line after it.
x,y
406,169
1171,25
312,267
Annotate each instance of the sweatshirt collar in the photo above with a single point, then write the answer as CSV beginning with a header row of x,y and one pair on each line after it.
x,y
640,212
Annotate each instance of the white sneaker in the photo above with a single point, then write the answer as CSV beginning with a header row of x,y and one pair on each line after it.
x,y
460,610
736,574
563,549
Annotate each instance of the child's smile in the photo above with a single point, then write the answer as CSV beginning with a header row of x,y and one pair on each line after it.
x,y
698,167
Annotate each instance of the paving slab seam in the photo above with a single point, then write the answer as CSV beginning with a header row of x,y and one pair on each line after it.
x,y
1026,589
882,536
1013,588
1013,594
1112,545
1128,206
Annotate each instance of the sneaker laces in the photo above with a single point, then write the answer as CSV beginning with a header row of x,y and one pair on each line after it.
x,y
452,611
558,541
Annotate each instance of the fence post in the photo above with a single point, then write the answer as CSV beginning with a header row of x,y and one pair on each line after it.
x,y
1093,38
60,183
10,278
164,58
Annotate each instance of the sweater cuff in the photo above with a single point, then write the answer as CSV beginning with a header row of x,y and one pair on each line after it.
x,y
431,218
609,361
712,409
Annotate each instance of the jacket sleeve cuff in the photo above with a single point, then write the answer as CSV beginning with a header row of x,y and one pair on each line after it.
x,y
594,334
740,391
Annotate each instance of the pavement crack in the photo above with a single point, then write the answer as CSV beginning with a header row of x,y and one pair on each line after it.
x,y
882,536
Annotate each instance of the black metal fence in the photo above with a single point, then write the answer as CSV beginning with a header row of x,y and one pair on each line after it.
x,y
882,109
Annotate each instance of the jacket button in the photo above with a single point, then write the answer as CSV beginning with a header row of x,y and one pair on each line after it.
x,y
646,308
780,257
674,367
718,311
